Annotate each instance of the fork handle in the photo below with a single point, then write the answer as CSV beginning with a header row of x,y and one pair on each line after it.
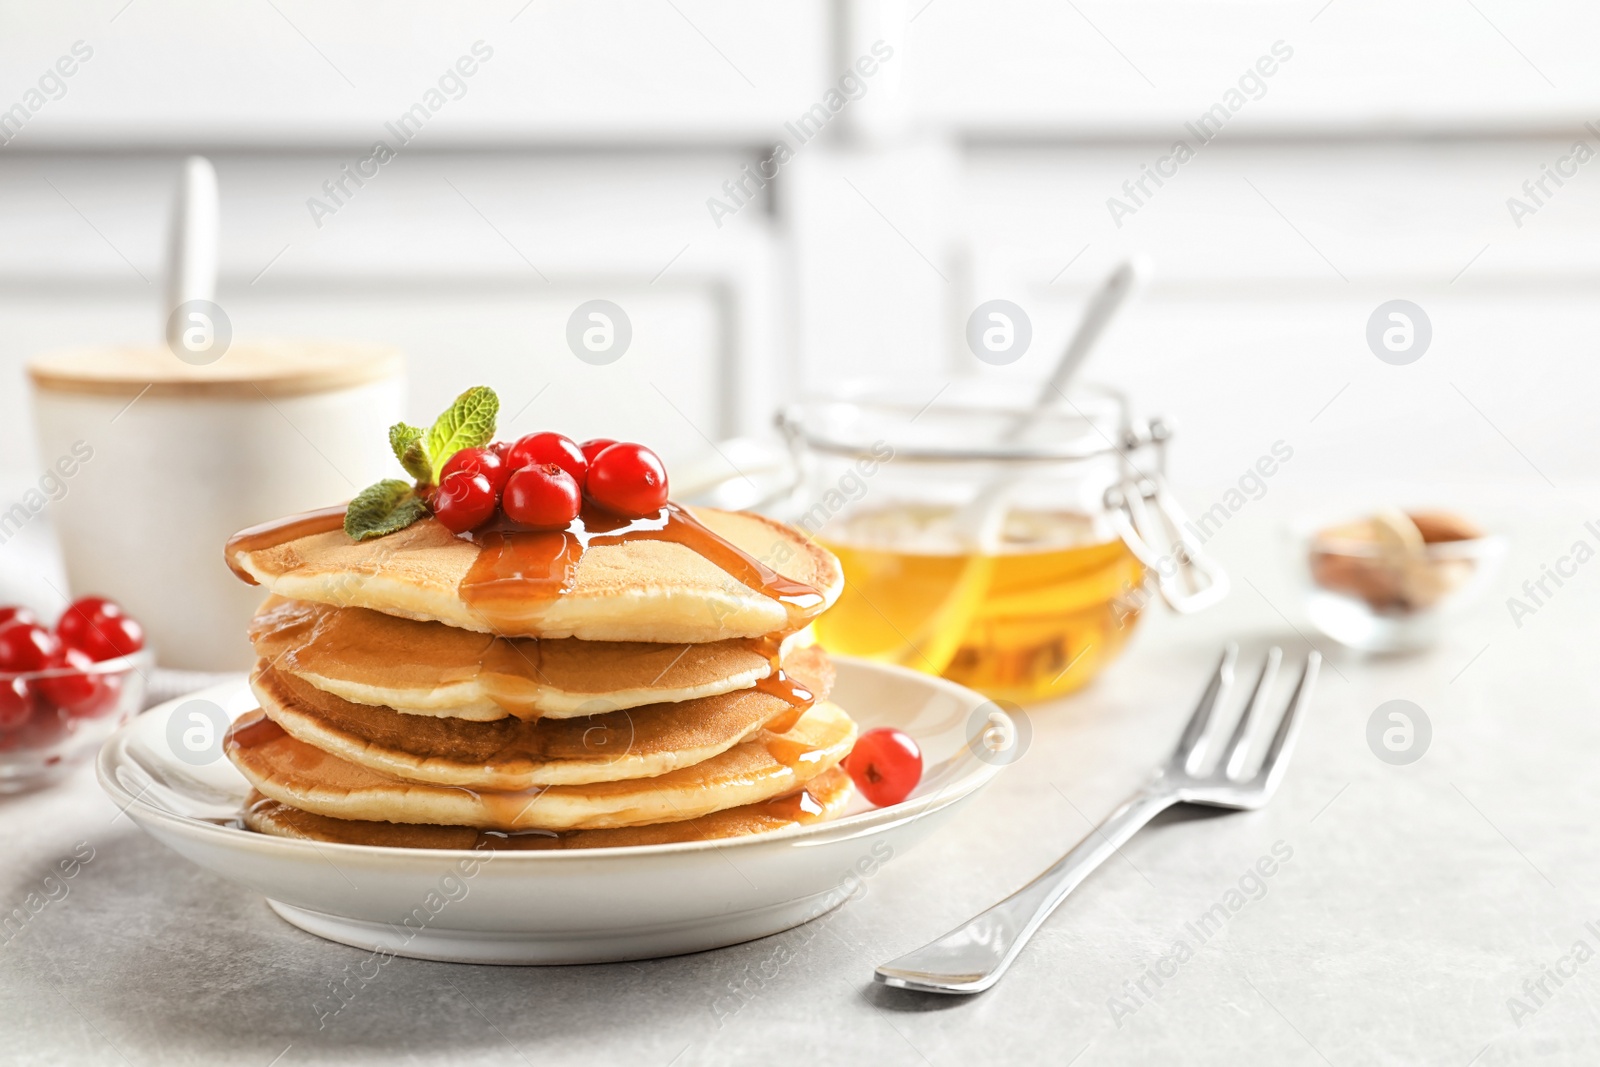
x,y
973,956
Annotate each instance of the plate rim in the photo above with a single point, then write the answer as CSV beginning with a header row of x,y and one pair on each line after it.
x,y
964,786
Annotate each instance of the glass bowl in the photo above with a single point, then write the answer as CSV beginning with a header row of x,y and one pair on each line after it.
x,y
1382,597
53,720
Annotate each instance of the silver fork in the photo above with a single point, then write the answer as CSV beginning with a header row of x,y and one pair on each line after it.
x,y
972,957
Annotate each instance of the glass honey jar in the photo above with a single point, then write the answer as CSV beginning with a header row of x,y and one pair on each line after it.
x,y
1006,547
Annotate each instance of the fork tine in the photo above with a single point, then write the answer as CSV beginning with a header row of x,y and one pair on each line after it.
x,y
1188,752
1276,761
1232,762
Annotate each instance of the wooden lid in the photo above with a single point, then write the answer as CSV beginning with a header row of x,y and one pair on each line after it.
x,y
248,369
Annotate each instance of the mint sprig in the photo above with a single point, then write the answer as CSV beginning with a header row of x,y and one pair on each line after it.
x,y
401,435
391,505
385,508
468,424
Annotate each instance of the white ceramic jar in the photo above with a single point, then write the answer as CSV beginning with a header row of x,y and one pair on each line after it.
x,y
162,460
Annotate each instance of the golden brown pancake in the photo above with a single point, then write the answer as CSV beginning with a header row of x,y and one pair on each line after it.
x,y
824,797
766,766
637,590
513,754
427,668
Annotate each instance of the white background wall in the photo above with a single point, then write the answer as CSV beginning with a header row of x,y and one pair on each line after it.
x,y
977,165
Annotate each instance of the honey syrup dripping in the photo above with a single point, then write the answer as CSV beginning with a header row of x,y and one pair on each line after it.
x,y
779,684
280,532
518,571
253,730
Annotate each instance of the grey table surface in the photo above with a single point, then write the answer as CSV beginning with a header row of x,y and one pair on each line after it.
x,y
1436,912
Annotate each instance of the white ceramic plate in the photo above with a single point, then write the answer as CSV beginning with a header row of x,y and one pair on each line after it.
x,y
582,906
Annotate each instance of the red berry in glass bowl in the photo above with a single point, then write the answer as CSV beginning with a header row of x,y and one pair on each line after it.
x,y
16,702
537,449
82,617
16,614
543,496
465,501
484,461
75,689
594,446
111,637
885,765
628,480
25,646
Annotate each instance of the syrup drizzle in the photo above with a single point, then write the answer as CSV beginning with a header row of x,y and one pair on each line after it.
x,y
779,684
253,730
280,532
519,571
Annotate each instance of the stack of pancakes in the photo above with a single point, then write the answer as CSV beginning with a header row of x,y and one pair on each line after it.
x,y
655,697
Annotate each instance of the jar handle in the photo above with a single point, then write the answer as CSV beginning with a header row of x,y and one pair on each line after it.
x,y
1186,577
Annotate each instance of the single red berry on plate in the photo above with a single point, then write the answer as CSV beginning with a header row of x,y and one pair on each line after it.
x,y
465,501
594,446
14,614
25,646
484,461
628,480
543,496
82,617
16,702
74,690
885,765
541,448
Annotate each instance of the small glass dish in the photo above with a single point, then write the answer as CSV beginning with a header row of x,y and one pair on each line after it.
x,y
1376,592
53,720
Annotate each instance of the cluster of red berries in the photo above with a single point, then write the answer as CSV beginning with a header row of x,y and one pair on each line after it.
x,y
91,631
540,481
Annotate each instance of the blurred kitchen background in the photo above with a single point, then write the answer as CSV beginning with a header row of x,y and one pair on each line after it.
x,y
976,162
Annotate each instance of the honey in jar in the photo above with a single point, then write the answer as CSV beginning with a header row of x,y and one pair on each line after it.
x,y
1079,530
1038,617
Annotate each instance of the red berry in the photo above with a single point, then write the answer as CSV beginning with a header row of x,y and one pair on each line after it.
x,y
82,616
594,446
16,703
484,461
25,646
16,614
544,496
629,480
885,764
542,448
465,501
117,635
78,692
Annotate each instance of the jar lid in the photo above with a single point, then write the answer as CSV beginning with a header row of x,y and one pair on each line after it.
x,y
247,370
964,423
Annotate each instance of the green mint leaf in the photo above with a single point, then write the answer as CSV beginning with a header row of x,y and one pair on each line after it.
x,y
384,508
468,424
401,437
416,463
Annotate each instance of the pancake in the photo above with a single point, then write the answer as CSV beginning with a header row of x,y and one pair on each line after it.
x,y
513,754
824,797
766,766
425,668
641,588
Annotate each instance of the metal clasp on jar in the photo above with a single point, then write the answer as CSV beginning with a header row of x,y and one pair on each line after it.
x,y
1146,516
